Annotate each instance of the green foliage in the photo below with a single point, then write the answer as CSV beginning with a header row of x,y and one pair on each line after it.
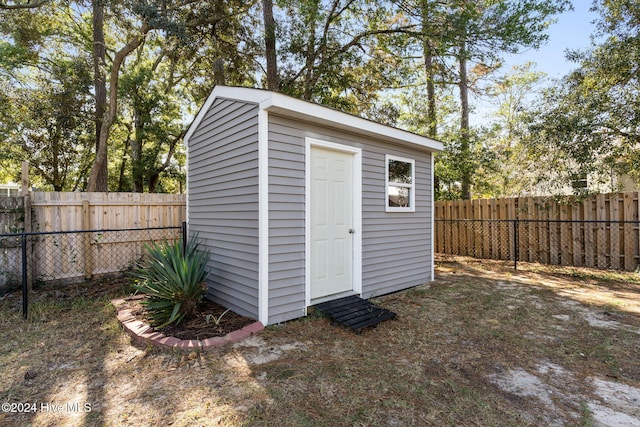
x,y
341,53
172,280
511,172
474,159
49,103
45,80
359,56
52,131
588,124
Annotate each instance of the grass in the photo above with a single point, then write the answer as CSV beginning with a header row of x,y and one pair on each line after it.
x,y
451,358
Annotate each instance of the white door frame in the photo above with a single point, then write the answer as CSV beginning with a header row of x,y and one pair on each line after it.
x,y
357,212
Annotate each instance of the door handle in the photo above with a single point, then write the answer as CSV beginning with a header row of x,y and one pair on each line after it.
x,y
351,231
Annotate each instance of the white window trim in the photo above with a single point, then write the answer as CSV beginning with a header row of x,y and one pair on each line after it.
x,y
412,186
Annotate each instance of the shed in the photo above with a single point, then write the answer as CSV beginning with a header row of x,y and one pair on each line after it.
x,y
299,203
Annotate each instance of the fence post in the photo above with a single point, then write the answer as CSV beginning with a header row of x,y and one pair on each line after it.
x,y
27,222
25,287
184,237
86,240
515,244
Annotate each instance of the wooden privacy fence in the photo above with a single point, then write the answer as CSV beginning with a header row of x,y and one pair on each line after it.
x,y
95,211
98,253
11,214
598,231
73,236
11,220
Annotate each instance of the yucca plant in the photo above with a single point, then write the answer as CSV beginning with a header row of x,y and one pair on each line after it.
x,y
173,280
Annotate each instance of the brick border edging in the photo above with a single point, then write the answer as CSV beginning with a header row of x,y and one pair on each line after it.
x,y
144,335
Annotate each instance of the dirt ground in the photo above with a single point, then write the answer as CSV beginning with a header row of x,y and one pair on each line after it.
x,y
481,345
210,320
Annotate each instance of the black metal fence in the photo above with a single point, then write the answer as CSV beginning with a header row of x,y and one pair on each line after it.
x,y
29,258
600,244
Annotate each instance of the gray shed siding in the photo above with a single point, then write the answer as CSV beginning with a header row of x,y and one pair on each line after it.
x,y
223,201
286,225
396,247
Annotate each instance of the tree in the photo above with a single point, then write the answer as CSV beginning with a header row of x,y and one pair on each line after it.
x,y
514,93
461,43
183,41
150,100
100,83
432,39
54,131
175,22
484,30
270,45
588,124
16,5
340,53
47,95
95,182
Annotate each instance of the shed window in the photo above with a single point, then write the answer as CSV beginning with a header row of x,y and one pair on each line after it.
x,y
400,181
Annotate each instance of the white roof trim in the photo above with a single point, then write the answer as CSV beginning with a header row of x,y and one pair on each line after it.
x,y
291,107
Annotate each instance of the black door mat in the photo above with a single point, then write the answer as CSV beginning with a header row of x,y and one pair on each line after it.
x,y
355,312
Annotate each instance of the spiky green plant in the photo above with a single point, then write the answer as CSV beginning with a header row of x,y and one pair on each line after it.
x,y
173,280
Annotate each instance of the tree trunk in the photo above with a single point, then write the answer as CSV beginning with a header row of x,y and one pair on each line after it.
x,y
431,95
464,122
429,72
101,153
270,45
137,166
100,83
310,54
154,179
123,167
218,72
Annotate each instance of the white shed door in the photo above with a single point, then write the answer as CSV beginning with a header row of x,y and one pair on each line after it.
x,y
331,214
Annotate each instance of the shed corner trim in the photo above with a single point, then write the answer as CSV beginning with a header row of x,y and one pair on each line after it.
x,y
263,216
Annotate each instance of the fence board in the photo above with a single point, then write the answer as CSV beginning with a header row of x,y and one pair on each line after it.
x,y
577,235
448,241
471,230
11,214
11,221
543,233
534,231
554,235
509,211
628,235
486,236
477,229
530,244
503,252
614,231
565,237
438,229
589,228
107,210
463,228
601,234
84,255
592,232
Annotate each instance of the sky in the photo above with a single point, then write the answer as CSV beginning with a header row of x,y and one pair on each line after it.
x,y
571,31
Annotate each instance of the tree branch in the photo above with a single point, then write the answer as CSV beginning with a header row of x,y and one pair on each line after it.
x,y
27,5
172,150
101,154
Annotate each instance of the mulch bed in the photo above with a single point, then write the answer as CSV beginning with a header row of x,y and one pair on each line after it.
x,y
197,327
